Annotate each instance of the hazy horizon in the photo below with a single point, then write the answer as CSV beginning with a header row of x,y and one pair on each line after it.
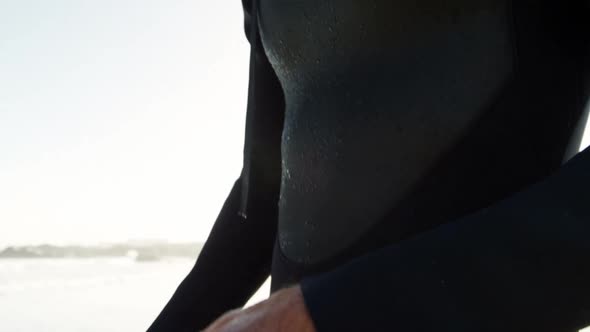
x,y
103,243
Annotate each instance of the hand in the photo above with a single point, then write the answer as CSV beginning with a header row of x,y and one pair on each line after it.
x,y
284,311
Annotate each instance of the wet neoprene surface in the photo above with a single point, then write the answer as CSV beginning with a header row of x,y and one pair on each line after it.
x,y
401,119
380,95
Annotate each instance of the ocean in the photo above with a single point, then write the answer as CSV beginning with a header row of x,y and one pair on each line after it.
x,y
88,295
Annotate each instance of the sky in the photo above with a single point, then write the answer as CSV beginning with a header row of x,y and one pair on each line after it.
x,y
119,119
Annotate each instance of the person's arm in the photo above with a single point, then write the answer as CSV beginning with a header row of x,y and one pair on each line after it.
x,y
233,263
520,265
236,258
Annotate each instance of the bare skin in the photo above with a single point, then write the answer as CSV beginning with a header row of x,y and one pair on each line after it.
x,y
284,311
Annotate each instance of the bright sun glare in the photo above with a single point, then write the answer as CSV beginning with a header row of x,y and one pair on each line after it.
x,y
118,119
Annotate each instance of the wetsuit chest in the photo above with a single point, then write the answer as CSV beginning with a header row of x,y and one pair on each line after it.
x,y
401,115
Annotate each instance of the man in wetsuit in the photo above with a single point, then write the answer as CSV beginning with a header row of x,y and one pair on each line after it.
x,y
404,170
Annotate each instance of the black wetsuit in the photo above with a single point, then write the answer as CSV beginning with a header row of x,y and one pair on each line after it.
x,y
370,124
